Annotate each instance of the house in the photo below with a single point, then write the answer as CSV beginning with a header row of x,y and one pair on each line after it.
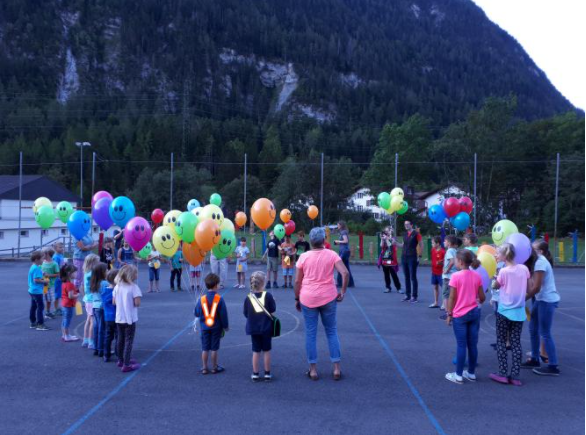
x,y
362,201
423,200
31,235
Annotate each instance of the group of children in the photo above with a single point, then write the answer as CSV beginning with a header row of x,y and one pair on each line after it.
x,y
288,253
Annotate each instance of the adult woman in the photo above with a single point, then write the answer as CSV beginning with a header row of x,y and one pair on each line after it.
x,y
344,251
412,247
83,248
316,295
388,259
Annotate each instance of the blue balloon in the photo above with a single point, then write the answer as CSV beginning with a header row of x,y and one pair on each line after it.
x,y
461,221
437,214
79,224
122,210
193,203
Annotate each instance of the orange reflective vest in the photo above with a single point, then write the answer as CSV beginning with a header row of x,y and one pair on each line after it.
x,y
210,315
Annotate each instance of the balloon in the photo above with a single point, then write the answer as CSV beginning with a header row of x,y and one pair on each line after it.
x,y
171,218
312,212
240,219
279,231
193,253
396,203
225,246
146,251
185,226
64,209
137,232
289,227
436,213
263,213
483,276
197,212
404,208
461,221
122,210
41,201
157,216
193,203
488,249
451,206
285,215
488,262
101,213
45,216
216,199
397,191
502,230
79,224
212,212
466,204
166,241
522,246
207,234
384,200
227,225
99,195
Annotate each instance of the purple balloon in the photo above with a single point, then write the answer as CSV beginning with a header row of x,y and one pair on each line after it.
x,y
522,246
99,195
137,233
101,213
481,271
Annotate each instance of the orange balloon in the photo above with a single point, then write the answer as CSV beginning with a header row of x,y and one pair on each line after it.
x,y
193,253
207,234
240,219
312,212
488,249
285,215
263,213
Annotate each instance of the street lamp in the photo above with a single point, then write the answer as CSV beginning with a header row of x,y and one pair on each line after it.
x,y
81,145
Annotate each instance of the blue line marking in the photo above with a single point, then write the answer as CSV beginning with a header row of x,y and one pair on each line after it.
x,y
402,372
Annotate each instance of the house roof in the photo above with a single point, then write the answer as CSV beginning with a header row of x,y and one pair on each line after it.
x,y
34,186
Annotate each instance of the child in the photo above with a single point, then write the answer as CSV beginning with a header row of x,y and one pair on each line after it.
x,y
272,254
451,243
258,325
51,272
68,300
36,282
437,264
88,265
176,269
106,291
107,254
471,242
213,318
195,277
154,262
301,245
98,280
242,252
388,259
287,261
59,259
125,254
462,310
126,296
513,282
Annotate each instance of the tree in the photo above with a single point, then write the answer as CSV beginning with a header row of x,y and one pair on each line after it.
x,y
270,156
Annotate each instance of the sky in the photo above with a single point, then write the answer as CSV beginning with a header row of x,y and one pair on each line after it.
x,y
552,33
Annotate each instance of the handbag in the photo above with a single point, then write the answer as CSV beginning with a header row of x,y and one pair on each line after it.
x,y
276,329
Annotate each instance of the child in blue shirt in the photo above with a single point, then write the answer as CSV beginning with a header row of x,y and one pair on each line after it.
x,y
213,319
36,282
88,264
59,259
106,289
97,280
176,269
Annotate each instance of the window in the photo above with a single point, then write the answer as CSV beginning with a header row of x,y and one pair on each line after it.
x,y
1,235
375,215
368,202
44,233
24,234
359,208
63,232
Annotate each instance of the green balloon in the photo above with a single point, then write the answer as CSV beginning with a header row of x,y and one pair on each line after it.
x,y
63,210
185,226
279,231
502,230
384,200
225,246
216,199
146,251
403,208
45,216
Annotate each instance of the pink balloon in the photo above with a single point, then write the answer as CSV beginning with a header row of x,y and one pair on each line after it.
x,y
466,204
137,233
452,206
101,194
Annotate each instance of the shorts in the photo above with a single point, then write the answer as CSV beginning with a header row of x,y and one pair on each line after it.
x,y
273,264
67,315
261,342
210,339
241,267
195,273
437,280
50,295
89,308
287,271
58,288
153,274
446,289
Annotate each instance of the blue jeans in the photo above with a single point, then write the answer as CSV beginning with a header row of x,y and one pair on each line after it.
x,y
153,274
328,319
37,309
540,327
345,256
99,329
410,270
466,332
67,315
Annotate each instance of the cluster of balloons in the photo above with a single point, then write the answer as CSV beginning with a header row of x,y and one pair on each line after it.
x,y
393,202
45,215
456,210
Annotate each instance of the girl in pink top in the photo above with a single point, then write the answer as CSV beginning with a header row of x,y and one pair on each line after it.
x,y
463,313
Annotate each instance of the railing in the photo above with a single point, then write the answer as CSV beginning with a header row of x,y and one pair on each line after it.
x,y
26,251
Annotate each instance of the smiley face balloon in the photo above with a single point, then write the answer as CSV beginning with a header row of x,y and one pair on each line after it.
x,y
226,246
171,218
122,210
166,241
285,215
193,253
212,212
79,224
193,203
207,234
45,216
63,210
185,226
197,211
137,233
502,230
263,213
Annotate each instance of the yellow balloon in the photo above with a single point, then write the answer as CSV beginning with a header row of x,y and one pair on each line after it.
x,y
396,203
171,218
227,225
397,191
197,211
488,262
41,201
212,212
166,241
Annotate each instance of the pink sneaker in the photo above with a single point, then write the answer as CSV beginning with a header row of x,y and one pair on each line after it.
x,y
120,363
515,382
498,378
130,368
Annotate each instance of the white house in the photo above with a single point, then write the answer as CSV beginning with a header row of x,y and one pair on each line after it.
x,y
424,200
363,201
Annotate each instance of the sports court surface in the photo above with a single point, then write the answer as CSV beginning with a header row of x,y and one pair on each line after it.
x,y
394,358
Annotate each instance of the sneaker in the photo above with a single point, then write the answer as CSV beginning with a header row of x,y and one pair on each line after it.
x,y
414,300
498,378
106,359
515,382
442,308
443,317
33,326
401,292
59,312
405,299
530,364
73,338
469,376
120,363
547,371
387,290
242,286
434,306
130,368
268,285
255,377
172,289
236,285
91,345
275,285
49,316
85,343
268,377
68,338
42,327
453,377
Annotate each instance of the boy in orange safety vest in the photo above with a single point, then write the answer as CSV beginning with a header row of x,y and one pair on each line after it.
x,y
213,319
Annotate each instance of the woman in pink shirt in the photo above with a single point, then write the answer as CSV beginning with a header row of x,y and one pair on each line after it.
x,y
316,295
463,313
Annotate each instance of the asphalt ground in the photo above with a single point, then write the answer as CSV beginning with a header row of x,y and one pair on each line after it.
x,y
394,358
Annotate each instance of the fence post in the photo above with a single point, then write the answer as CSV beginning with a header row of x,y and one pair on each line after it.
x,y
171,192
396,174
321,194
575,246
245,180
555,218
361,244
474,205
19,203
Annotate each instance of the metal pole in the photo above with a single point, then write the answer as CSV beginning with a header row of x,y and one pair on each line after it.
x,y
555,216
81,175
474,215
93,173
245,179
19,203
171,193
396,178
321,195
